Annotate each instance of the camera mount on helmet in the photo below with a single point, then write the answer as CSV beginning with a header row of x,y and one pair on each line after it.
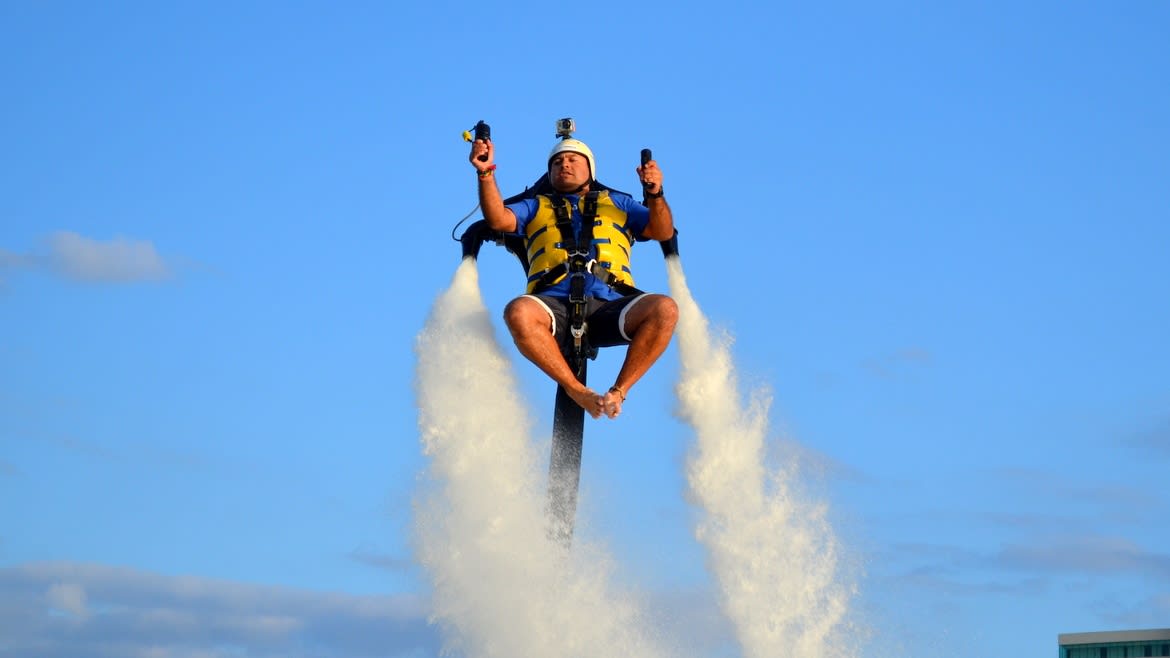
x,y
565,127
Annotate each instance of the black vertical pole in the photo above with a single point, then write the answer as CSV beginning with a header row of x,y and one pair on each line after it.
x,y
564,469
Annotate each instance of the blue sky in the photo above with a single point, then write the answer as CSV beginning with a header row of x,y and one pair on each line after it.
x,y
937,233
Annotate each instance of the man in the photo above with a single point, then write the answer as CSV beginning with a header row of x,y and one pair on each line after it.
x,y
644,322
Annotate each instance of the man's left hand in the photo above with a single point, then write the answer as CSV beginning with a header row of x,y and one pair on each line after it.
x,y
651,177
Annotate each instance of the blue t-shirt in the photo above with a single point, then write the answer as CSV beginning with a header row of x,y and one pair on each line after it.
x,y
637,217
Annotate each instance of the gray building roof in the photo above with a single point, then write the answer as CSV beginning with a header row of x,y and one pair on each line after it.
x,y
1067,639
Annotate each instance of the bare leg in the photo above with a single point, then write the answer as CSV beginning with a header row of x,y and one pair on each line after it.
x,y
531,329
650,326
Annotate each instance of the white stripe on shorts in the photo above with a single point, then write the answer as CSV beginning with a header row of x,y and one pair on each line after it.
x,y
552,318
626,309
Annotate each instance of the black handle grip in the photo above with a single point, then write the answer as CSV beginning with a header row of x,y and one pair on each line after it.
x,y
646,157
484,132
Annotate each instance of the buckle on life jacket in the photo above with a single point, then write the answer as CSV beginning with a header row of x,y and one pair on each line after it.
x,y
610,279
577,307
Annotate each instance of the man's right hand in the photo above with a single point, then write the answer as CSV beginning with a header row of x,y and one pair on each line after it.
x,y
498,217
480,148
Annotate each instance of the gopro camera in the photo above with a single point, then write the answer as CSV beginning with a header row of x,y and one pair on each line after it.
x,y
565,128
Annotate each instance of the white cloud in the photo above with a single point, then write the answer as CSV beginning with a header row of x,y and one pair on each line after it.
x,y
1153,441
68,598
118,260
1030,568
76,257
12,261
1127,500
890,365
1087,554
70,609
380,560
59,609
1148,612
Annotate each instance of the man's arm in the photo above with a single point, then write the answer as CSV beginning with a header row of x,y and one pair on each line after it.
x,y
490,202
661,224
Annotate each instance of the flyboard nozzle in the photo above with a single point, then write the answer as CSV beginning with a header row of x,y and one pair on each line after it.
x,y
474,237
670,247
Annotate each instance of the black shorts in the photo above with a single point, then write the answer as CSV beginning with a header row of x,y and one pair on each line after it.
x,y
605,320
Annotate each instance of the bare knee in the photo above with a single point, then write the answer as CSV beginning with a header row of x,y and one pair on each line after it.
x,y
656,311
524,315
666,311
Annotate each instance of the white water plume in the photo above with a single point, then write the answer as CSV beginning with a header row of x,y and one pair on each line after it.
x,y
772,552
501,587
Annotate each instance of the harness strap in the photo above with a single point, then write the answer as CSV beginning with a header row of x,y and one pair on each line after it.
x,y
548,278
588,215
571,243
578,245
564,221
610,279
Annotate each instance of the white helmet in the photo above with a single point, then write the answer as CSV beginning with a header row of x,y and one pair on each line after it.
x,y
575,146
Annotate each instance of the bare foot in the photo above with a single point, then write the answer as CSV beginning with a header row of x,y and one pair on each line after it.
x,y
589,400
611,404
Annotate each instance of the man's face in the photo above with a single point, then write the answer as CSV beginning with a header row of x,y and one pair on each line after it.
x,y
568,171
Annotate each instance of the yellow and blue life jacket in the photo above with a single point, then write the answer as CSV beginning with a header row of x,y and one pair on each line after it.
x,y
550,240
